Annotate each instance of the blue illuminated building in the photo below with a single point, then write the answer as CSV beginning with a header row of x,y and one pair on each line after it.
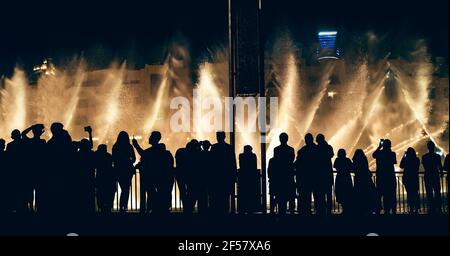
x,y
327,45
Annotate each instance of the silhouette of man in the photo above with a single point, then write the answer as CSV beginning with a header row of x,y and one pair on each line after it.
x,y
305,174
224,176
85,178
4,178
14,151
432,164
285,167
105,179
153,163
207,166
325,175
248,181
181,174
61,161
386,180
196,189
273,182
34,149
165,184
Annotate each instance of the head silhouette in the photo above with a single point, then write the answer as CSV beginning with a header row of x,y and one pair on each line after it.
x,y
431,146
320,139
56,128
248,149
155,137
387,144
38,130
123,138
359,154
102,148
15,135
342,153
189,145
309,139
195,144
84,145
410,152
2,145
220,136
283,138
206,145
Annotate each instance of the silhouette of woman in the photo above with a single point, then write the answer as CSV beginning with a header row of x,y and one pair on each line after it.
x,y
344,184
366,197
410,164
123,159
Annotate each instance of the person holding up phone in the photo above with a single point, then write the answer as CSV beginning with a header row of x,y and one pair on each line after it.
x,y
386,180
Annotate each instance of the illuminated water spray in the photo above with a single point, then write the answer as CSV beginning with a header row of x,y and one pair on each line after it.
x,y
13,103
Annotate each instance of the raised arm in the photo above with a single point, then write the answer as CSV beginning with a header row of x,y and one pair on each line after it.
x,y
88,129
26,131
133,155
137,146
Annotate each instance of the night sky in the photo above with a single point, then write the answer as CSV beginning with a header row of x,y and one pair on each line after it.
x,y
140,31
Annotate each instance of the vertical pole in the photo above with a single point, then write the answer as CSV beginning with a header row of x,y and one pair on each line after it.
x,y
232,67
262,116
232,84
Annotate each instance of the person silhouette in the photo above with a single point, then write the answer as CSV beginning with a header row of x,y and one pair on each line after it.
x,y
306,176
59,187
344,185
85,178
181,174
325,175
4,178
366,198
34,148
410,164
165,184
248,181
224,176
105,179
285,168
432,164
154,165
386,180
206,165
123,160
196,189
15,154
272,173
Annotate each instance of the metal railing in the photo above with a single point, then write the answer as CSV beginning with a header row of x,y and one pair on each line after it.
x,y
402,200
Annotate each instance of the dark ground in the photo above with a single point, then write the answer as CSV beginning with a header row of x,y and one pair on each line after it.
x,y
233,225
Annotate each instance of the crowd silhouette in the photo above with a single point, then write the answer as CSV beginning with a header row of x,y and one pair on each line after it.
x,y
64,176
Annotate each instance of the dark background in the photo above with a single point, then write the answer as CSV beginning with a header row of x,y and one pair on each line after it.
x,y
140,32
